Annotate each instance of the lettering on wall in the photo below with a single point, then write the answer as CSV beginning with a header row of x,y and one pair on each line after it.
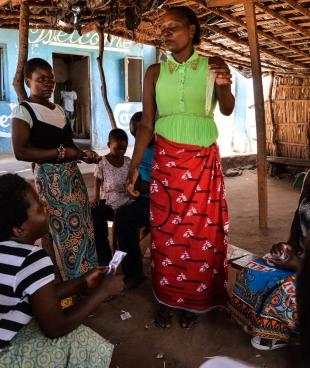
x,y
87,41
5,119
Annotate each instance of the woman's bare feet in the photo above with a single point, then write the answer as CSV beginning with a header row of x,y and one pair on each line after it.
x,y
163,318
188,319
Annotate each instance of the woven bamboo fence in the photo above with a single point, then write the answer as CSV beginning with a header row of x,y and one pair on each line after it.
x,y
288,117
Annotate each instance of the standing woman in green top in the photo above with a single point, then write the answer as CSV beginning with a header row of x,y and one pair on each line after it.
x,y
188,206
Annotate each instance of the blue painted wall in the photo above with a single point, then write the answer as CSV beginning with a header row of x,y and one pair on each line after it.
x,y
241,140
43,43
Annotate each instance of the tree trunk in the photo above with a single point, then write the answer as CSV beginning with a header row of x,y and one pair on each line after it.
x,y
102,77
18,82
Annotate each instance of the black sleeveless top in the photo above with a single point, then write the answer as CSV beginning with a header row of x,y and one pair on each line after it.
x,y
44,135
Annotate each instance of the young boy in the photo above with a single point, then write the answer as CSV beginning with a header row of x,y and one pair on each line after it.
x,y
54,337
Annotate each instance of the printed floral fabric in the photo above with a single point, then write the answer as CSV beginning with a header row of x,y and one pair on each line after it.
x,y
80,348
63,188
189,226
264,300
113,182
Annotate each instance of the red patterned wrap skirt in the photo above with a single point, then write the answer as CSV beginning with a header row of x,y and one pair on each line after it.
x,y
189,222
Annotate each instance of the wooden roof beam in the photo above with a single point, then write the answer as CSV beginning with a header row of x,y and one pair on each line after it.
x,y
225,3
282,19
236,40
298,7
234,63
4,2
267,64
240,23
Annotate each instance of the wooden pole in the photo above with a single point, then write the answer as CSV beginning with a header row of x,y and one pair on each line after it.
x,y
18,82
249,8
102,77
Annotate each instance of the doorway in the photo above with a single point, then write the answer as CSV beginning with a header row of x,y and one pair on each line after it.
x,y
75,68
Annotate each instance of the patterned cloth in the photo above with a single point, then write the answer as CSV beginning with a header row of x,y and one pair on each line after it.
x,y
63,188
189,226
264,300
80,348
113,182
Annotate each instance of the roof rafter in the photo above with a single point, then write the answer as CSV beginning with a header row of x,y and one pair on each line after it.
x,y
282,19
259,32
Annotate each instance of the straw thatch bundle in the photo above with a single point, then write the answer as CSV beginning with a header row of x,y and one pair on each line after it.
x,y
288,118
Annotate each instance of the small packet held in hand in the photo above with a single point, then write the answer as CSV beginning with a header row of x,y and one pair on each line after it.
x,y
115,261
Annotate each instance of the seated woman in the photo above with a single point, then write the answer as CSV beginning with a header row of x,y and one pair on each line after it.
x,y
264,297
34,330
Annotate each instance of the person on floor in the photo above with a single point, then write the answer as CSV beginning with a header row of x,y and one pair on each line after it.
x,y
41,134
136,215
189,219
264,297
110,190
69,102
34,330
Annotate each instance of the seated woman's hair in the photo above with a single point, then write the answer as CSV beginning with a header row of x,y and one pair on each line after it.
x,y
118,134
33,64
13,204
192,19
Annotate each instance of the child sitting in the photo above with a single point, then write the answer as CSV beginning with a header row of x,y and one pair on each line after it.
x,y
54,337
110,190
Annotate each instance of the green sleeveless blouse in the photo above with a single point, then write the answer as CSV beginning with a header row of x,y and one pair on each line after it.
x,y
180,98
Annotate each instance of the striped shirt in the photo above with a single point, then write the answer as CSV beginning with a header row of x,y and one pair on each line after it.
x,y
24,269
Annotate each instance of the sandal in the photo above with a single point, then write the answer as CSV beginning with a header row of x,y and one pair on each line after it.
x,y
163,318
188,319
261,343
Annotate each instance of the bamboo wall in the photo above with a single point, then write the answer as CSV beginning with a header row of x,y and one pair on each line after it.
x,y
288,117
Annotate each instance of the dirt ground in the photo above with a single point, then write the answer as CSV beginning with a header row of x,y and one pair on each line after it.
x,y
137,341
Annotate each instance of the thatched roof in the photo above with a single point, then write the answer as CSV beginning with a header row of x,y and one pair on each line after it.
x,y
283,26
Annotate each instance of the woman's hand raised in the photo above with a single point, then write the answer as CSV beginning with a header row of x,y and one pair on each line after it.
x,y
222,73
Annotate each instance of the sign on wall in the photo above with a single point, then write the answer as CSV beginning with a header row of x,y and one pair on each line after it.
x,y
5,119
124,111
87,41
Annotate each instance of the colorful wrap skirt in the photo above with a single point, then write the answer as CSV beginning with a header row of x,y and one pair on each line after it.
x,y
189,224
264,300
62,187
80,348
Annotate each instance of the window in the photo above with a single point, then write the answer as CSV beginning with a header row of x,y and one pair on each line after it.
x,y
2,90
133,79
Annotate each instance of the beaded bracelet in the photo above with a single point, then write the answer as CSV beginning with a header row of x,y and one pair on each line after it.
x,y
61,152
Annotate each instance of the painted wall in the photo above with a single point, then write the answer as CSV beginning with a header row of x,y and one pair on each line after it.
x,y
42,43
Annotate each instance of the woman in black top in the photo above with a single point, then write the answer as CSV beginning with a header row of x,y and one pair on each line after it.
x,y
40,134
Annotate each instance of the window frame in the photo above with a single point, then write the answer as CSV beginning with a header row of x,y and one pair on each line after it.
x,y
3,75
126,63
